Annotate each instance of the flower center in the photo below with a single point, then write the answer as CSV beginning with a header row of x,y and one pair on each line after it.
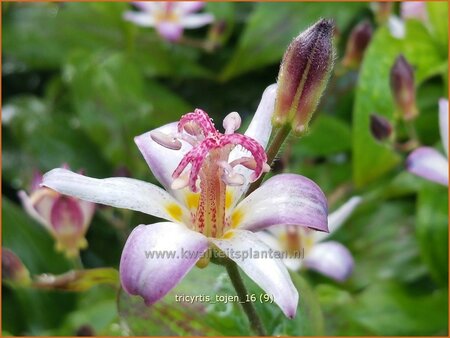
x,y
297,241
206,168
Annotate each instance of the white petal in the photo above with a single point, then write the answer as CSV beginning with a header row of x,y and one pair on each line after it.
x,y
196,20
157,256
259,129
190,6
397,27
443,123
338,217
31,211
283,199
141,19
428,163
331,259
120,192
269,273
163,161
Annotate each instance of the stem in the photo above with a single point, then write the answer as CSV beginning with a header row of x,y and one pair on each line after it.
x,y
249,309
77,262
280,136
412,133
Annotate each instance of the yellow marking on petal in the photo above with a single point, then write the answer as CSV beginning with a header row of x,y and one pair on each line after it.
x,y
236,218
192,200
228,235
228,199
174,211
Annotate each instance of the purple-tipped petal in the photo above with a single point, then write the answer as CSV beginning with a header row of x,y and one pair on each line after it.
x,y
428,163
157,256
190,6
162,161
139,18
259,129
339,216
66,215
28,206
414,10
171,31
120,192
443,123
196,20
269,273
331,259
283,199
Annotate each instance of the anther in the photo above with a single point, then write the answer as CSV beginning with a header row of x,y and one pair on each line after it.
x,y
232,122
165,140
181,182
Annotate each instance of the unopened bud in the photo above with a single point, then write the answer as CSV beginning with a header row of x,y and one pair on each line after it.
x,y
357,43
380,127
403,90
13,270
303,75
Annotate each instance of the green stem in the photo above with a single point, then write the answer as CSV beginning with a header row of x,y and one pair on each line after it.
x,y
278,140
77,262
249,309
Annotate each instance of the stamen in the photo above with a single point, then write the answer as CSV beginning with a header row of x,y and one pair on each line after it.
x,y
232,122
233,179
181,182
200,119
165,140
249,163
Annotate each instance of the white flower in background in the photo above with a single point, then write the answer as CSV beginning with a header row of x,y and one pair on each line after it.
x,y
169,18
307,248
427,162
408,10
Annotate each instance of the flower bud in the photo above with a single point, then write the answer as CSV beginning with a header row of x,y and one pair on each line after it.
x,y
403,89
13,270
357,43
303,75
380,127
66,218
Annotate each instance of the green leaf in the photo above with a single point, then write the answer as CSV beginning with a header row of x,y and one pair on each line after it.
x,y
321,140
213,316
272,26
432,229
438,20
114,103
371,158
388,309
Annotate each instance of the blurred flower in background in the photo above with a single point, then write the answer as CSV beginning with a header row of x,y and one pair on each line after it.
x,y
66,218
169,18
408,10
427,162
306,248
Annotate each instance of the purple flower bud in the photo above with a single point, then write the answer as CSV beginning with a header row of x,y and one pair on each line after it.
x,y
357,43
380,127
13,270
403,89
303,75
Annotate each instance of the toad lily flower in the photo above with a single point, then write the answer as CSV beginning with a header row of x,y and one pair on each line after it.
x,y
304,247
169,18
66,218
204,173
427,162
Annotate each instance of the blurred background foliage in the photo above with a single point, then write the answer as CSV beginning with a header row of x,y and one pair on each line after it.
x,y
79,83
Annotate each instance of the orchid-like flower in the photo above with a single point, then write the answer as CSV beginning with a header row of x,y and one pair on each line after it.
x,y
306,248
205,173
66,218
427,162
169,18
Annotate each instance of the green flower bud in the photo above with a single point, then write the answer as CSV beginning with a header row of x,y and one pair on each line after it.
x,y
304,73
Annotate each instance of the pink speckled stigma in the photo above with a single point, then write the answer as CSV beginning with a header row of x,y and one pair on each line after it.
x,y
208,144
